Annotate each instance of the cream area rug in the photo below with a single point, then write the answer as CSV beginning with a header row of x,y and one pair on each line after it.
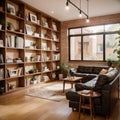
x,y
51,92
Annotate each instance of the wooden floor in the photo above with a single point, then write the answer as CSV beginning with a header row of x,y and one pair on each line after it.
x,y
18,106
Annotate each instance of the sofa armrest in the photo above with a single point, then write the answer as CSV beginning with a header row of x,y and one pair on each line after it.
x,y
73,96
82,86
73,71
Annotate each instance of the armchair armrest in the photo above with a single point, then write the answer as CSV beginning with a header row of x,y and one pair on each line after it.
x,y
82,86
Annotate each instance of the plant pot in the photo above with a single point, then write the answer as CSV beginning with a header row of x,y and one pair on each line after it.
x,y
34,82
0,27
60,76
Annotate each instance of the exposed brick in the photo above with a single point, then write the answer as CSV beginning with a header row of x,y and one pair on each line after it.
x,y
108,19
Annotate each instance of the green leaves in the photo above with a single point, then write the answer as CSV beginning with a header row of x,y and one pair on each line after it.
x,y
117,50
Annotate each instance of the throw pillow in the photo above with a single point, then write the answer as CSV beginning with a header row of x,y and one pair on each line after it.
x,y
101,81
110,69
103,71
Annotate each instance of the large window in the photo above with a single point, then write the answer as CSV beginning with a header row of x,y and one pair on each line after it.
x,y
94,43
93,47
75,48
111,44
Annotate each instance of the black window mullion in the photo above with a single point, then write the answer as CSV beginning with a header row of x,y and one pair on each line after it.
x,y
104,48
82,47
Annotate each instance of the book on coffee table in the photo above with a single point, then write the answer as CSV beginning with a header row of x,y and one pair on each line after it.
x,y
84,92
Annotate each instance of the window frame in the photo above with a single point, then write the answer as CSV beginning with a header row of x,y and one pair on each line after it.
x,y
104,33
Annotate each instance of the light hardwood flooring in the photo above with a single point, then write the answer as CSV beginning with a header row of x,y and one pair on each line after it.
x,y
18,106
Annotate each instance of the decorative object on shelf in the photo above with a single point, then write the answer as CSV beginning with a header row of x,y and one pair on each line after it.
x,y
54,26
47,36
2,23
38,22
28,29
12,73
27,79
46,78
18,60
19,30
44,46
38,58
38,78
2,89
36,34
33,18
56,56
33,70
19,13
9,60
33,80
0,26
1,73
1,43
44,23
34,44
11,85
54,37
79,8
19,42
32,58
1,58
27,16
11,9
10,26
45,68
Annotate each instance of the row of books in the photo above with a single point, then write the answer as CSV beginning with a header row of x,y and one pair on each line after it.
x,y
1,73
56,56
14,41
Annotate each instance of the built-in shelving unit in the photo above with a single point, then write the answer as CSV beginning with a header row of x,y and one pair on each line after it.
x,y
29,46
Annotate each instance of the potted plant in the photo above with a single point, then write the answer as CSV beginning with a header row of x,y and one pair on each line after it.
x,y
33,80
117,50
63,71
109,62
1,24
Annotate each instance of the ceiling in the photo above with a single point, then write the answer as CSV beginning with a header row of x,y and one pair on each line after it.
x,y
56,8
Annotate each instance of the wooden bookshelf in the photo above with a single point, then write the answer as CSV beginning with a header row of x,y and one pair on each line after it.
x,y
29,46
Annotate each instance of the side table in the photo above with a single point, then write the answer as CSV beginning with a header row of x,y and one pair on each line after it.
x,y
71,80
90,106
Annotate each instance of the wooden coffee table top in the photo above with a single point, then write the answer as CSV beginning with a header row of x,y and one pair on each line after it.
x,y
72,79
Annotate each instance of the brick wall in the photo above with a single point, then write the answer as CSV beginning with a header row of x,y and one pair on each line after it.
x,y
114,18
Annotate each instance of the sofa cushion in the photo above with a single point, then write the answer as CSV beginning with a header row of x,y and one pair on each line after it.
x,y
84,69
106,78
101,81
97,69
92,82
103,71
112,74
110,69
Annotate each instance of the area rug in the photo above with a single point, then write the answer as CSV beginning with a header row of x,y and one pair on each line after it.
x,y
50,92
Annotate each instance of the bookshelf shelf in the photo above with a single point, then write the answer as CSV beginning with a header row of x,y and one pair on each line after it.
x,y
14,32
26,45
15,17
